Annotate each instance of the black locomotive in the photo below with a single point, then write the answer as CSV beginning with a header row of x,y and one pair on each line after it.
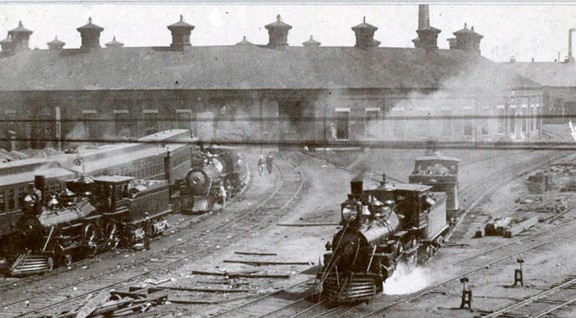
x,y
92,215
217,174
383,226
67,214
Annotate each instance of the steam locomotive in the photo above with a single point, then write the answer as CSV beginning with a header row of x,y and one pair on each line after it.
x,y
218,173
90,216
67,214
386,225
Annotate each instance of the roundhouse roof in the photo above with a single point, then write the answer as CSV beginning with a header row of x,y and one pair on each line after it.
x,y
546,73
254,67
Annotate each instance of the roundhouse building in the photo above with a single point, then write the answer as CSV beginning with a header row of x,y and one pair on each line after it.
x,y
272,92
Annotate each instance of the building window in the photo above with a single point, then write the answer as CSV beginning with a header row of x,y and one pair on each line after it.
x,y
524,120
150,121
184,119
501,114
372,115
537,110
342,123
468,127
122,123
90,124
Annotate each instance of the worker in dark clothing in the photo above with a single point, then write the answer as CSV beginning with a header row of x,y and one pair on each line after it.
x,y
269,162
261,165
147,231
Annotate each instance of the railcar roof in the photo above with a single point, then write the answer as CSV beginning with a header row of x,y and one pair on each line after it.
x,y
113,179
432,158
28,177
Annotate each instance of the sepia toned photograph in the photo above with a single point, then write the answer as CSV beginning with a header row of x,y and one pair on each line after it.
x,y
287,159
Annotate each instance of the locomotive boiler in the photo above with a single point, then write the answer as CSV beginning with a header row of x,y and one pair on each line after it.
x,y
381,227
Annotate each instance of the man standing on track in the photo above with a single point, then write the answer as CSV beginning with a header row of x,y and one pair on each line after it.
x,y
261,165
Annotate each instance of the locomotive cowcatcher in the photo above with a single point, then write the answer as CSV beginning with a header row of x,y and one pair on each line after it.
x,y
381,227
90,216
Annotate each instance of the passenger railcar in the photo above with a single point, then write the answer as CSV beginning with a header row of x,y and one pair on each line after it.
x,y
380,227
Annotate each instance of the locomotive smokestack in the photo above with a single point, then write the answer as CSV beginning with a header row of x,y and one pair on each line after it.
x,y
356,187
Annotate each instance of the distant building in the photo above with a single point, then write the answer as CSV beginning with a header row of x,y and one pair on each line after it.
x,y
273,92
559,84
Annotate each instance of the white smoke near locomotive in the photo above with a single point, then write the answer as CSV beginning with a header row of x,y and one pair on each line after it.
x,y
388,225
81,205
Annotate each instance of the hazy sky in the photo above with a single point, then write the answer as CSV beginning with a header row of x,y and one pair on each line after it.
x,y
526,31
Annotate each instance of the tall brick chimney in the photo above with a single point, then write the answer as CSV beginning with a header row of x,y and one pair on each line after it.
x,y
55,44
90,34
278,34
180,34
19,37
466,40
427,35
365,35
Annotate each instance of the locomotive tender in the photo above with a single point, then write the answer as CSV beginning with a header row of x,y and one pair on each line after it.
x,y
92,215
86,203
383,226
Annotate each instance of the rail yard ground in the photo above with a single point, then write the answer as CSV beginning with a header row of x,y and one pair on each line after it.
x,y
293,243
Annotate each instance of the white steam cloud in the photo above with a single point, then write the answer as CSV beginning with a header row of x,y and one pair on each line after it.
x,y
406,280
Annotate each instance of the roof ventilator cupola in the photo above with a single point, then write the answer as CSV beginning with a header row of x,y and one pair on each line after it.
x,y
180,34
278,34
365,35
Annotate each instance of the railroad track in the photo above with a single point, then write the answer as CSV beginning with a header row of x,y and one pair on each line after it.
x,y
477,263
541,304
70,295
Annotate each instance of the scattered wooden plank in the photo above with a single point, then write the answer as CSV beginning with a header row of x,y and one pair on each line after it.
x,y
93,304
210,290
223,273
521,227
307,224
260,263
273,276
255,253
191,301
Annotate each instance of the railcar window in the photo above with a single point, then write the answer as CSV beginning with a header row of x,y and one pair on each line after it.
x,y
11,200
2,202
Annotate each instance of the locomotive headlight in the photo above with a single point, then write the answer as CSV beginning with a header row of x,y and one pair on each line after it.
x,y
349,213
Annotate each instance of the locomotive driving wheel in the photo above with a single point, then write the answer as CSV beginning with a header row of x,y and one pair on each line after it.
x,y
91,238
112,236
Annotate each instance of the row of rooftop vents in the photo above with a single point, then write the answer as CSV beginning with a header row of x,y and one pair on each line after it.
x,y
465,39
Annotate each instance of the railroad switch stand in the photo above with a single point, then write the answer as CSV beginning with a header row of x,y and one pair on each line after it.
x,y
518,275
466,294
